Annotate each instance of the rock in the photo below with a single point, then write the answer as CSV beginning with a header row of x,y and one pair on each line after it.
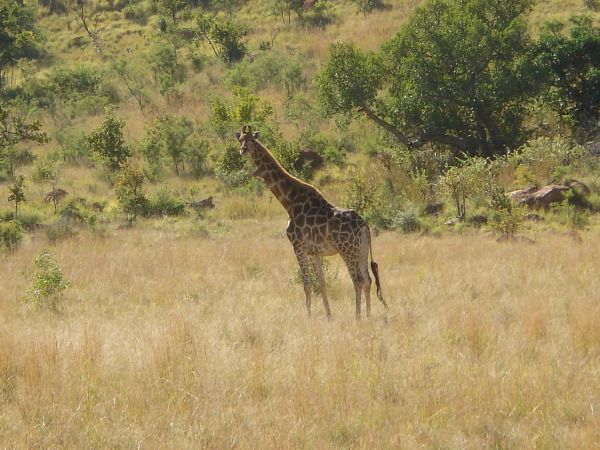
x,y
314,160
547,195
539,198
522,196
579,188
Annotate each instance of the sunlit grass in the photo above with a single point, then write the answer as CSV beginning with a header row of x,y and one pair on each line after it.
x,y
170,340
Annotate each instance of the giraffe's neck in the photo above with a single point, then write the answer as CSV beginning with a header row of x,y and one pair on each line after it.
x,y
285,187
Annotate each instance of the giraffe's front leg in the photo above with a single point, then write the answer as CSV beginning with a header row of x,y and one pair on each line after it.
x,y
318,265
302,257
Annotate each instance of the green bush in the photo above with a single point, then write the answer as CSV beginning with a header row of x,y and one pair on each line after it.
x,y
506,218
11,235
406,221
164,202
49,282
230,167
129,184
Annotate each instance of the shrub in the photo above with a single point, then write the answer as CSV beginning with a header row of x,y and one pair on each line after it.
x,y
506,218
11,235
108,144
223,35
540,158
231,167
406,221
129,185
49,282
164,202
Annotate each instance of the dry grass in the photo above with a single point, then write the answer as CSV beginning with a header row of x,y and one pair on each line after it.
x,y
168,341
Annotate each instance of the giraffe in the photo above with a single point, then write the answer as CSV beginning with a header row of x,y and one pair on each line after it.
x,y
316,228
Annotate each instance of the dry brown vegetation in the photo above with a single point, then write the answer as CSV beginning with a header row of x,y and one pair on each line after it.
x,y
167,340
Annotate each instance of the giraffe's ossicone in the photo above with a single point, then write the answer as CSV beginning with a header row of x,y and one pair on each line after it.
x,y
316,228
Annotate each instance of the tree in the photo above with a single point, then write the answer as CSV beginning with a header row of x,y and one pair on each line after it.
x,y
15,128
457,74
169,136
162,58
108,144
367,6
574,63
17,193
17,33
129,185
171,7
284,8
135,82
223,35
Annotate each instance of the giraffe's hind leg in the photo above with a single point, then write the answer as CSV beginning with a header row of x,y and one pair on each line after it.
x,y
363,265
318,265
357,278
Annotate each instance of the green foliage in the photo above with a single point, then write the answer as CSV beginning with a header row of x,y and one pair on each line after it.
x,y
18,34
284,9
49,281
83,87
11,235
135,82
230,167
169,137
14,129
367,6
574,64
574,216
197,153
107,142
129,184
465,181
360,194
164,202
318,16
349,79
46,170
171,7
406,221
269,68
224,36
161,56
17,193
506,218
458,74
538,160
246,108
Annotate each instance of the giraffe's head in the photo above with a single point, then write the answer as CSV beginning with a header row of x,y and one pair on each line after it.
x,y
246,138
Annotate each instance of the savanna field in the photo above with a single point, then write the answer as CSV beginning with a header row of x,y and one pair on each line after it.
x,y
135,315
173,340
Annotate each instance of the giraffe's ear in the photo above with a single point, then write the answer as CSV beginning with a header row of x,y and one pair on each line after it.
x,y
237,135
256,134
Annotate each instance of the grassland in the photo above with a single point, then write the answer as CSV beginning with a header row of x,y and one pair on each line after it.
x,y
171,340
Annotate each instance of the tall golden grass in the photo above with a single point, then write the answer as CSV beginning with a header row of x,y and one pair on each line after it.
x,y
166,340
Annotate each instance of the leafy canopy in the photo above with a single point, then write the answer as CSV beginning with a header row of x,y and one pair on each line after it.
x,y
457,73
574,63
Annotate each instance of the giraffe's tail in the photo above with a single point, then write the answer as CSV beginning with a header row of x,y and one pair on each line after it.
x,y
375,270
